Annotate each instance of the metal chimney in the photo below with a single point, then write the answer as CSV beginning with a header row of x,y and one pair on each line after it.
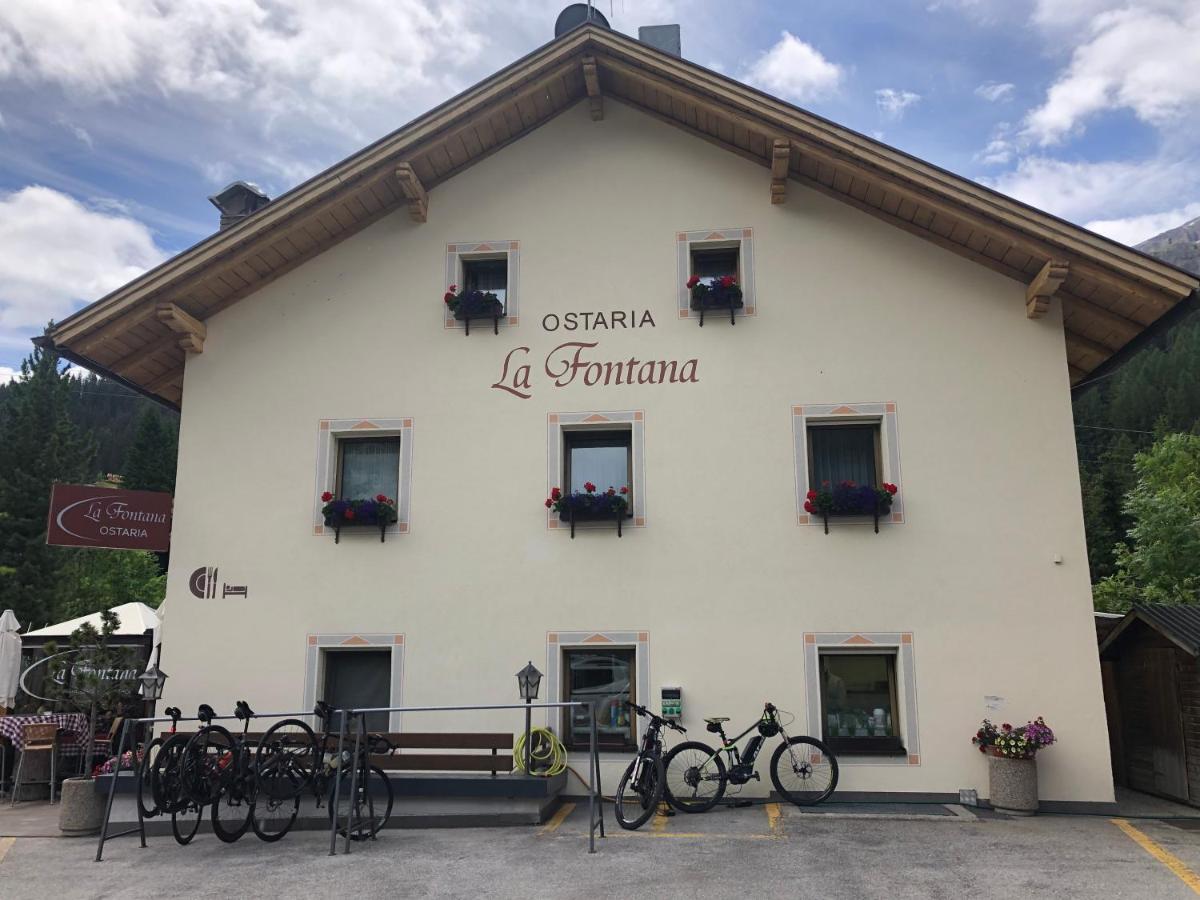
x,y
237,201
661,37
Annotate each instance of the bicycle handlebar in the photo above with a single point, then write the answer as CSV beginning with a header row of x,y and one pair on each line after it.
x,y
642,711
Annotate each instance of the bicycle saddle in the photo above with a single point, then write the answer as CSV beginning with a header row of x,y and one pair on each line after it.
x,y
243,710
205,713
717,720
174,712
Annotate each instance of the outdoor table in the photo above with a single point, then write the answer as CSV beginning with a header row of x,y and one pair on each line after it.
x,y
13,727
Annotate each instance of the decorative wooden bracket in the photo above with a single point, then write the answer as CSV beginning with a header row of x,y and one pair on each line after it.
x,y
781,155
591,77
1043,287
191,330
410,184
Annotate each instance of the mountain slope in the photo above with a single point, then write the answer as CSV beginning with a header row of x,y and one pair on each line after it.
x,y
1179,246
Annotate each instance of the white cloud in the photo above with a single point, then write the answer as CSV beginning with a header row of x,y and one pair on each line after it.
x,y
995,91
1090,191
1135,229
795,70
8,373
892,103
1142,57
55,253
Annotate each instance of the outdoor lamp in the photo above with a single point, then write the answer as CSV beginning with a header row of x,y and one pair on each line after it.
x,y
528,681
152,682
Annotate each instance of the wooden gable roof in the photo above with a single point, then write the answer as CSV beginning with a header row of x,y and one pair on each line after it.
x,y
1110,294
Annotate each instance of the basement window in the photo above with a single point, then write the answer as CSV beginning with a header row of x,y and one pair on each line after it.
x,y
606,678
858,700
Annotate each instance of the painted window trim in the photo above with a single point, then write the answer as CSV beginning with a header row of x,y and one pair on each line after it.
x,y
684,240
636,639
555,424
313,670
898,642
889,444
328,433
454,275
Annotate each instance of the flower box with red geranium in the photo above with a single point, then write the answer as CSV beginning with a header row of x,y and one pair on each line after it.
x,y
849,499
469,304
376,512
715,293
590,505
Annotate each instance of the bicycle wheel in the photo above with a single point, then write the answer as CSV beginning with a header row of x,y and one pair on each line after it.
x,y
231,815
210,764
695,779
804,771
273,817
147,804
185,822
374,796
166,775
286,760
639,792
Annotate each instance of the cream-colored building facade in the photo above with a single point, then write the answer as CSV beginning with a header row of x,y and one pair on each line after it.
x,y
973,596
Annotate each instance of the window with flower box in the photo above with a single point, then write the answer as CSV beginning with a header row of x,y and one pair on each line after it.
x,y
715,268
368,467
364,477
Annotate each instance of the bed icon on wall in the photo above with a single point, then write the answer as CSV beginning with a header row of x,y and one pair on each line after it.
x,y
203,584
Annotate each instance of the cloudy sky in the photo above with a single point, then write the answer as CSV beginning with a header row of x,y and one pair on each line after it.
x,y
119,117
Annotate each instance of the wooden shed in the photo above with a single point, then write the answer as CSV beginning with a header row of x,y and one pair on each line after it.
x,y
1152,697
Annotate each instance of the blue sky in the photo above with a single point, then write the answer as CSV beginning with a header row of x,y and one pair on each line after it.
x,y
119,117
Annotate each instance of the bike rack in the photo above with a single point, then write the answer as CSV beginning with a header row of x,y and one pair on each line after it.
x,y
595,802
126,743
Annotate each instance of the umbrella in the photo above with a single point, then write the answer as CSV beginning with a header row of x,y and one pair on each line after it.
x,y
10,658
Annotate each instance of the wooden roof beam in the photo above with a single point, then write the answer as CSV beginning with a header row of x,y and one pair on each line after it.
x,y
135,358
414,192
781,158
1087,345
1043,288
172,376
191,330
591,78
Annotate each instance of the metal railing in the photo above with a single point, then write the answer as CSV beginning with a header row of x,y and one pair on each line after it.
x,y
595,803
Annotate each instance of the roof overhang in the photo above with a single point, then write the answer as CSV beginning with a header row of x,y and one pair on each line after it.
x,y
1110,294
1139,614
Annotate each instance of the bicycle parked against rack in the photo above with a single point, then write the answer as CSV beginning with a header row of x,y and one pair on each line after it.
x,y
290,761
803,769
641,787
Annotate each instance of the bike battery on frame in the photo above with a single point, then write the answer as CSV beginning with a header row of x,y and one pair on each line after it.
x,y
672,703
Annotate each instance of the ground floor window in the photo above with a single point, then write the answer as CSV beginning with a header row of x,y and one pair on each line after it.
x,y
605,677
858,699
355,679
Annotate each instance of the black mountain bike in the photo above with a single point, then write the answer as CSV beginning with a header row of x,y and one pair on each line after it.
x,y
803,769
641,787
290,761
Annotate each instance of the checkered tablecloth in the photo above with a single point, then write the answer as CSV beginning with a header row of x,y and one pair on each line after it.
x,y
12,727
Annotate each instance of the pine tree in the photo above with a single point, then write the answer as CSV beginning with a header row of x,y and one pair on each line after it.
x,y
39,444
150,465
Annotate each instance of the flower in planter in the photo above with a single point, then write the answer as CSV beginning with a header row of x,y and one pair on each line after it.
x,y
717,293
847,498
1022,742
380,510
587,501
472,304
589,487
326,497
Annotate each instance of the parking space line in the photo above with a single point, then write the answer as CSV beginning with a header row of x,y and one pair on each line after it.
x,y
659,823
558,818
1168,859
774,817
6,844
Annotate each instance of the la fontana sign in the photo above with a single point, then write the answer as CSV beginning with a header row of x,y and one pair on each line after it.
x,y
583,362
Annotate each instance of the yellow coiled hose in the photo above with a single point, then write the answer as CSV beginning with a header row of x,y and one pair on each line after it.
x,y
548,757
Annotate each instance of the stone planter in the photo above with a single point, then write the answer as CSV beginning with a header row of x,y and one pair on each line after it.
x,y
81,809
1013,785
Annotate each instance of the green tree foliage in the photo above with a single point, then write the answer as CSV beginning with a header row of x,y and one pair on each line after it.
x,y
39,444
96,580
1155,393
150,464
1161,563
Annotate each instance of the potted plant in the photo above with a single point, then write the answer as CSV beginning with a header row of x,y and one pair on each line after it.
x,y
589,506
716,293
378,512
469,304
848,498
1012,763
95,676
